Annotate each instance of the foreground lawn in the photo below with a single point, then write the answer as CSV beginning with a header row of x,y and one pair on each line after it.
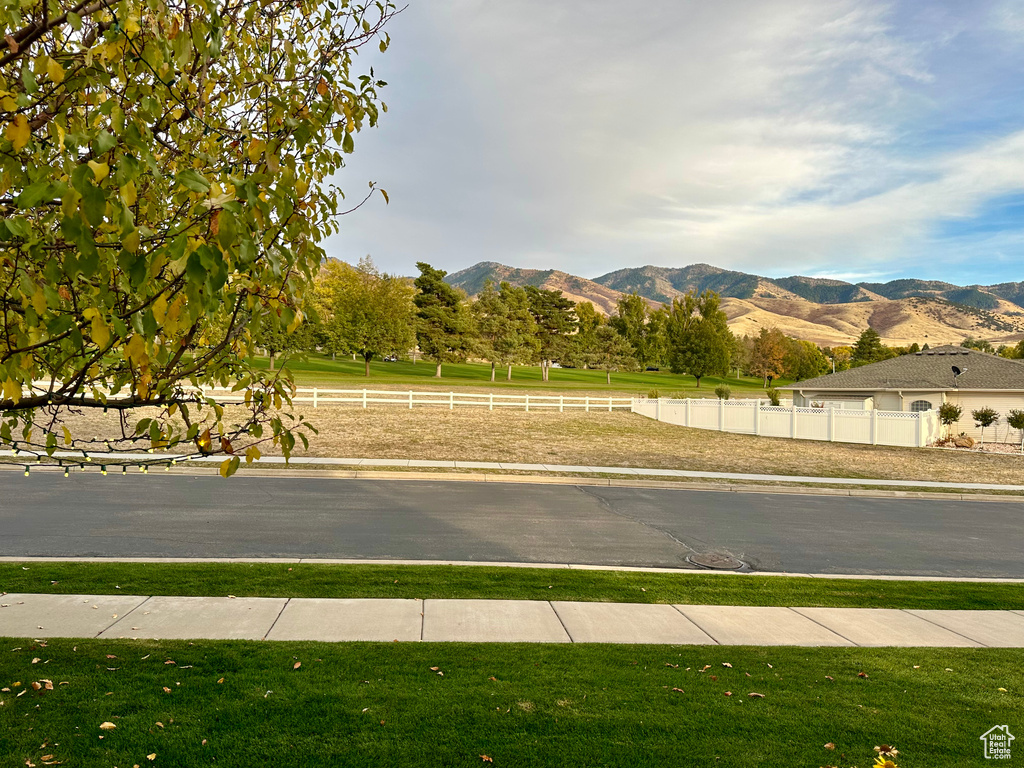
x,y
439,581
365,704
345,373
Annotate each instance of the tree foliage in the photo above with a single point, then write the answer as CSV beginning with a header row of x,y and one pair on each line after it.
x,y
506,333
642,327
610,352
555,318
767,355
444,325
699,340
164,176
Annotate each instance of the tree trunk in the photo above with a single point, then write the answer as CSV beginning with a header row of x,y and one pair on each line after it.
x,y
367,361
334,356
353,357
492,370
509,378
437,374
698,381
271,361
608,375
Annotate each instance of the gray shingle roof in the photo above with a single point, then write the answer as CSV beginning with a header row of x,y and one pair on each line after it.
x,y
931,369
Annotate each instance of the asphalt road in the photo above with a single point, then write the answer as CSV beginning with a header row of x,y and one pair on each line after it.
x,y
161,515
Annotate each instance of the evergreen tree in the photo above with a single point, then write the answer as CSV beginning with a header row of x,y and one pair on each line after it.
x,y
444,327
869,349
555,318
610,352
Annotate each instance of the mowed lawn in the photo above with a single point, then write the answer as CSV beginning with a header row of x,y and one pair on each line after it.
x,y
344,373
389,704
491,582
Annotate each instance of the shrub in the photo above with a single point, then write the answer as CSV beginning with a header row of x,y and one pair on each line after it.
x,y
723,392
984,417
949,414
1015,419
773,395
653,394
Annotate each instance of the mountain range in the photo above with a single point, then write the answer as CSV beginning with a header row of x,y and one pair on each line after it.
x,y
821,310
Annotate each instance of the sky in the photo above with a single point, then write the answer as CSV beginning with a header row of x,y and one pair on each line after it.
x,y
850,139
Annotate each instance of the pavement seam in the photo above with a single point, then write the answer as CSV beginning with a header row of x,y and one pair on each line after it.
x,y
279,613
606,505
909,612
122,618
693,621
825,626
560,621
423,616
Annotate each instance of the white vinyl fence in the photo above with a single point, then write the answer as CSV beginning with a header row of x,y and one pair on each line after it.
x,y
364,398
753,417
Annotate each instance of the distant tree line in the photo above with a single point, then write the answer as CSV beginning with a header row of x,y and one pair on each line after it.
x,y
361,311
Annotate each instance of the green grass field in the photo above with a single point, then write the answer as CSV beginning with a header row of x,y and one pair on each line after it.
x,y
320,370
373,704
489,582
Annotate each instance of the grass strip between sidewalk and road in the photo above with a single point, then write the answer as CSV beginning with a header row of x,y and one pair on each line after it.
x,y
496,582
232,703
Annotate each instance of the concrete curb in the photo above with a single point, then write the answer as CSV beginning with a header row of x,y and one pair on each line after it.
x,y
681,484
493,564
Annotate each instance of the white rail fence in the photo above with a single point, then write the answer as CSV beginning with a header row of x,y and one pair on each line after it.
x,y
752,417
366,397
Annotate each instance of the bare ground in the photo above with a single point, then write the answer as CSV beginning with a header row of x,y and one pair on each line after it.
x,y
611,439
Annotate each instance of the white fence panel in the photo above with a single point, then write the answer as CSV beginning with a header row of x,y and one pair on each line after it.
x,y
776,421
873,427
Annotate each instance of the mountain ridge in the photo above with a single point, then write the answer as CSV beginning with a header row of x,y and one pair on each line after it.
x,y
823,310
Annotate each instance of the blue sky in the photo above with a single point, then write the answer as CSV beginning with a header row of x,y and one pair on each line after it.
x,y
863,140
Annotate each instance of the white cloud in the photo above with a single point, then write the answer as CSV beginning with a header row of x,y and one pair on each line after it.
x,y
772,135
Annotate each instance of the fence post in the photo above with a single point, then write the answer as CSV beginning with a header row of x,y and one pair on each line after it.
x,y
792,421
491,404
410,399
527,403
874,427
364,399
587,403
451,401
609,405
721,415
314,397
757,417
657,409
686,413
831,424
920,428
561,403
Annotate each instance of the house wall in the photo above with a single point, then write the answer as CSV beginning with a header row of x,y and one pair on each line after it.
x,y
1002,402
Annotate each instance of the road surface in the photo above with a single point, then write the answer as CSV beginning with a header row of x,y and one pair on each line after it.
x,y
163,515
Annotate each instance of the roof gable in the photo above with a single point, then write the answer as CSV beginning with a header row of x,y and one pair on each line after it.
x,y
931,369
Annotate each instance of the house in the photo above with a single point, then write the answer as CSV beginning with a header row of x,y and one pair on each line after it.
x,y
923,381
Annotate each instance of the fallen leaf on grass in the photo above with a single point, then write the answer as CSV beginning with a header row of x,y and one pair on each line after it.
x,y
727,664
296,665
727,693
828,677
830,746
151,756
706,668
220,681
159,724
107,726
756,695
487,759
204,740
170,661
166,689
36,660
494,679
862,675
679,690
111,656
713,678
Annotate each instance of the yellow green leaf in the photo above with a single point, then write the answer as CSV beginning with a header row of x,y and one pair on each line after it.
x,y
39,300
55,71
12,390
18,132
128,193
99,170
67,435
130,242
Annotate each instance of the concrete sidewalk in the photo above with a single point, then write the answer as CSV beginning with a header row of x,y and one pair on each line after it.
x,y
277,461
508,621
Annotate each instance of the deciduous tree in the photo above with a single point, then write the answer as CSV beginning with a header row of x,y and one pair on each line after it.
x,y
164,175
699,340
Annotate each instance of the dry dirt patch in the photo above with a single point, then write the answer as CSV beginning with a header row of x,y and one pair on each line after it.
x,y
611,439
